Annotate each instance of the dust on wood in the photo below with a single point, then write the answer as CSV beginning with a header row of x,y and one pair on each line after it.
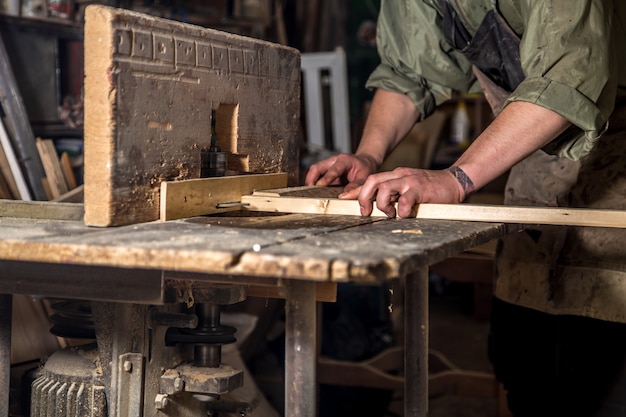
x,y
150,88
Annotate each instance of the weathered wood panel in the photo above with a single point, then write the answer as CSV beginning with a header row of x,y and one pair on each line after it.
x,y
151,86
291,246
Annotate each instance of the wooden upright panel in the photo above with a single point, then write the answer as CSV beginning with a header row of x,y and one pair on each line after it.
x,y
151,86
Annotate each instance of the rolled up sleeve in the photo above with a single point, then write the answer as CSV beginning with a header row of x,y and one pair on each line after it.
x,y
415,59
568,56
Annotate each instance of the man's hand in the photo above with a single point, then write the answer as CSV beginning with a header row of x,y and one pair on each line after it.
x,y
408,187
351,170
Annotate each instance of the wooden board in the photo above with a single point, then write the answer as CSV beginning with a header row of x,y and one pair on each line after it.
x,y
151,86
41,210
75,195
68,172
180,199
464,212
52,167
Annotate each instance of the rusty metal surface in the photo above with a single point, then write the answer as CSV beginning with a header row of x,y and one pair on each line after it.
x,y
130,385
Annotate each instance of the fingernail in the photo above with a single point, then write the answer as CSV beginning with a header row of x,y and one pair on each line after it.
x,y
342,195
362,210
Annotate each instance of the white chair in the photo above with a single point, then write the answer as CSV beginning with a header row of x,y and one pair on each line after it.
x,y
315,65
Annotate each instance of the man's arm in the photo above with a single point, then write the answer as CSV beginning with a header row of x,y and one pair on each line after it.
x,y
519,130
391,117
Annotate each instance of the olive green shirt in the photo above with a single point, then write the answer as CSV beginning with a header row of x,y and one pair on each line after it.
x,y
573,54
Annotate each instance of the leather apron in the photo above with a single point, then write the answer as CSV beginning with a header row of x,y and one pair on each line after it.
x,y
554,269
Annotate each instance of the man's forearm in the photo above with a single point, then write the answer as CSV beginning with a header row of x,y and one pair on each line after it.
x,y
519,130
391,117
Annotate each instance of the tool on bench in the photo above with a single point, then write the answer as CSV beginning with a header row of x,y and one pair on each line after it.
x,y
212,160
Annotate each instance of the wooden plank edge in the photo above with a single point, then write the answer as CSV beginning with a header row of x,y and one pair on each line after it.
x,y
464,212
41,210
195,197
75,195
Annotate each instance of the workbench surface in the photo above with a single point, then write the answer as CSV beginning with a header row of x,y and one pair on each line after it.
x,y
160,262
311,247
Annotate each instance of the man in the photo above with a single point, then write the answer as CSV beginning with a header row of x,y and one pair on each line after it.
x,y
554,72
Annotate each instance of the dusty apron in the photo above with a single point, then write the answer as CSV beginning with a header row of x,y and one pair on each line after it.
x,y
559,270
552,282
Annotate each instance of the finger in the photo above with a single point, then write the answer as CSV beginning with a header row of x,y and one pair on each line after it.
x,y
386,198
334,172
317,170
407,204
367,194
312,175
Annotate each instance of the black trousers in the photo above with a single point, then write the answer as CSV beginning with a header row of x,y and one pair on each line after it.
x,y
558,365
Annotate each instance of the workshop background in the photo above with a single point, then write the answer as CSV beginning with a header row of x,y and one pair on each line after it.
x,y
43,42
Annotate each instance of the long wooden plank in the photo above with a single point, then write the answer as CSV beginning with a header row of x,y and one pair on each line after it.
x,y
52,167
465,212
197,197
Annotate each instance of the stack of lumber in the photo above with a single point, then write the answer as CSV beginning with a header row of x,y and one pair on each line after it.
x,y
59,182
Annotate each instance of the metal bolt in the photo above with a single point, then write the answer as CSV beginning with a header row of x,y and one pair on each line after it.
x,y
128,366
179,384
160,401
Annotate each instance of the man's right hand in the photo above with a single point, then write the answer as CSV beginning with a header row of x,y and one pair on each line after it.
x,y
343,169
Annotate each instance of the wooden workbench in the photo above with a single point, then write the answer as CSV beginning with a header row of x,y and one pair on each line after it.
x,y
139,263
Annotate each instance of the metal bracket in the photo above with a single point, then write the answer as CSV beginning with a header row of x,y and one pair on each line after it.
x,y
130,385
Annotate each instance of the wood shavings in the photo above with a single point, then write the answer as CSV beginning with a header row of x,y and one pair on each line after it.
x,y
408,232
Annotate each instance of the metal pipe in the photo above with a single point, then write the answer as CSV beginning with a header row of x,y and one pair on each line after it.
x,y
416,344
300,350
6,310
208,356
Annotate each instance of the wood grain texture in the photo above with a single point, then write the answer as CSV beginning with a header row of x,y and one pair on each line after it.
x,y
464,212
68,171
289,246
180,199
150,88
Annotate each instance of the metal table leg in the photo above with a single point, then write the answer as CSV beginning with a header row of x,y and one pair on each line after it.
x,y
416,344
300,350
6,310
